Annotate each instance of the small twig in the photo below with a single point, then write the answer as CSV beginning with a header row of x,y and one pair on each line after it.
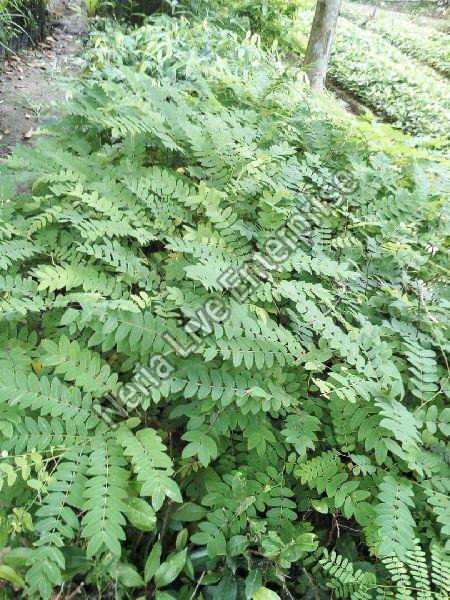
x,y
198,585
75,592
285,589
334,306
338,530
165,522
316,595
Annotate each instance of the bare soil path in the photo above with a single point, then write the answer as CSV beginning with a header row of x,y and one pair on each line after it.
x,y
27,80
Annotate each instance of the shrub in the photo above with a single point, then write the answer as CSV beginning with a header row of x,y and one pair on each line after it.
x,y
271,18
425,43
132,11
410,95
22,22
407,94
287,436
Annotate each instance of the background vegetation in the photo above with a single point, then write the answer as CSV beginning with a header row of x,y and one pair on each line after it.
x,y
370,67
133,11
294,446
21,22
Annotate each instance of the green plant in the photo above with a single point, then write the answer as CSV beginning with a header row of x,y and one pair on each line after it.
x,y
302,410
93,6
132,11
425,43
270,18
5,26
408,94
19,19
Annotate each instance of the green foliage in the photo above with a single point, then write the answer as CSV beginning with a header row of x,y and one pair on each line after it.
x,y
151,464
420,575
294,444
406,93
367,59
21,21
269,17
394,520
425,43
129,10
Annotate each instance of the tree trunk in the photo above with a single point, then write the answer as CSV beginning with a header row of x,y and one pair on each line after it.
x,y
319,43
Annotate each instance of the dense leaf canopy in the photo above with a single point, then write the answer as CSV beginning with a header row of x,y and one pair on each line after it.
x,y
197,236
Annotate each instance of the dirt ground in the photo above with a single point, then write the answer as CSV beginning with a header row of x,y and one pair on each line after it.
x,y
28,81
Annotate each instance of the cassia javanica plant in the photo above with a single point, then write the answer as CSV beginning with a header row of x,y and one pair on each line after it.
x,y
293,443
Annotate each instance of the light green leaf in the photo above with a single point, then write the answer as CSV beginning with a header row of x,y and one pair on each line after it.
x,y
252,583
169,570
128,576
189,512
152,562
264,593
140,514
11,575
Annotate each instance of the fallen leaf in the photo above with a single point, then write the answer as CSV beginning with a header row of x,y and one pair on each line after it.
x,y
37,367
28,134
